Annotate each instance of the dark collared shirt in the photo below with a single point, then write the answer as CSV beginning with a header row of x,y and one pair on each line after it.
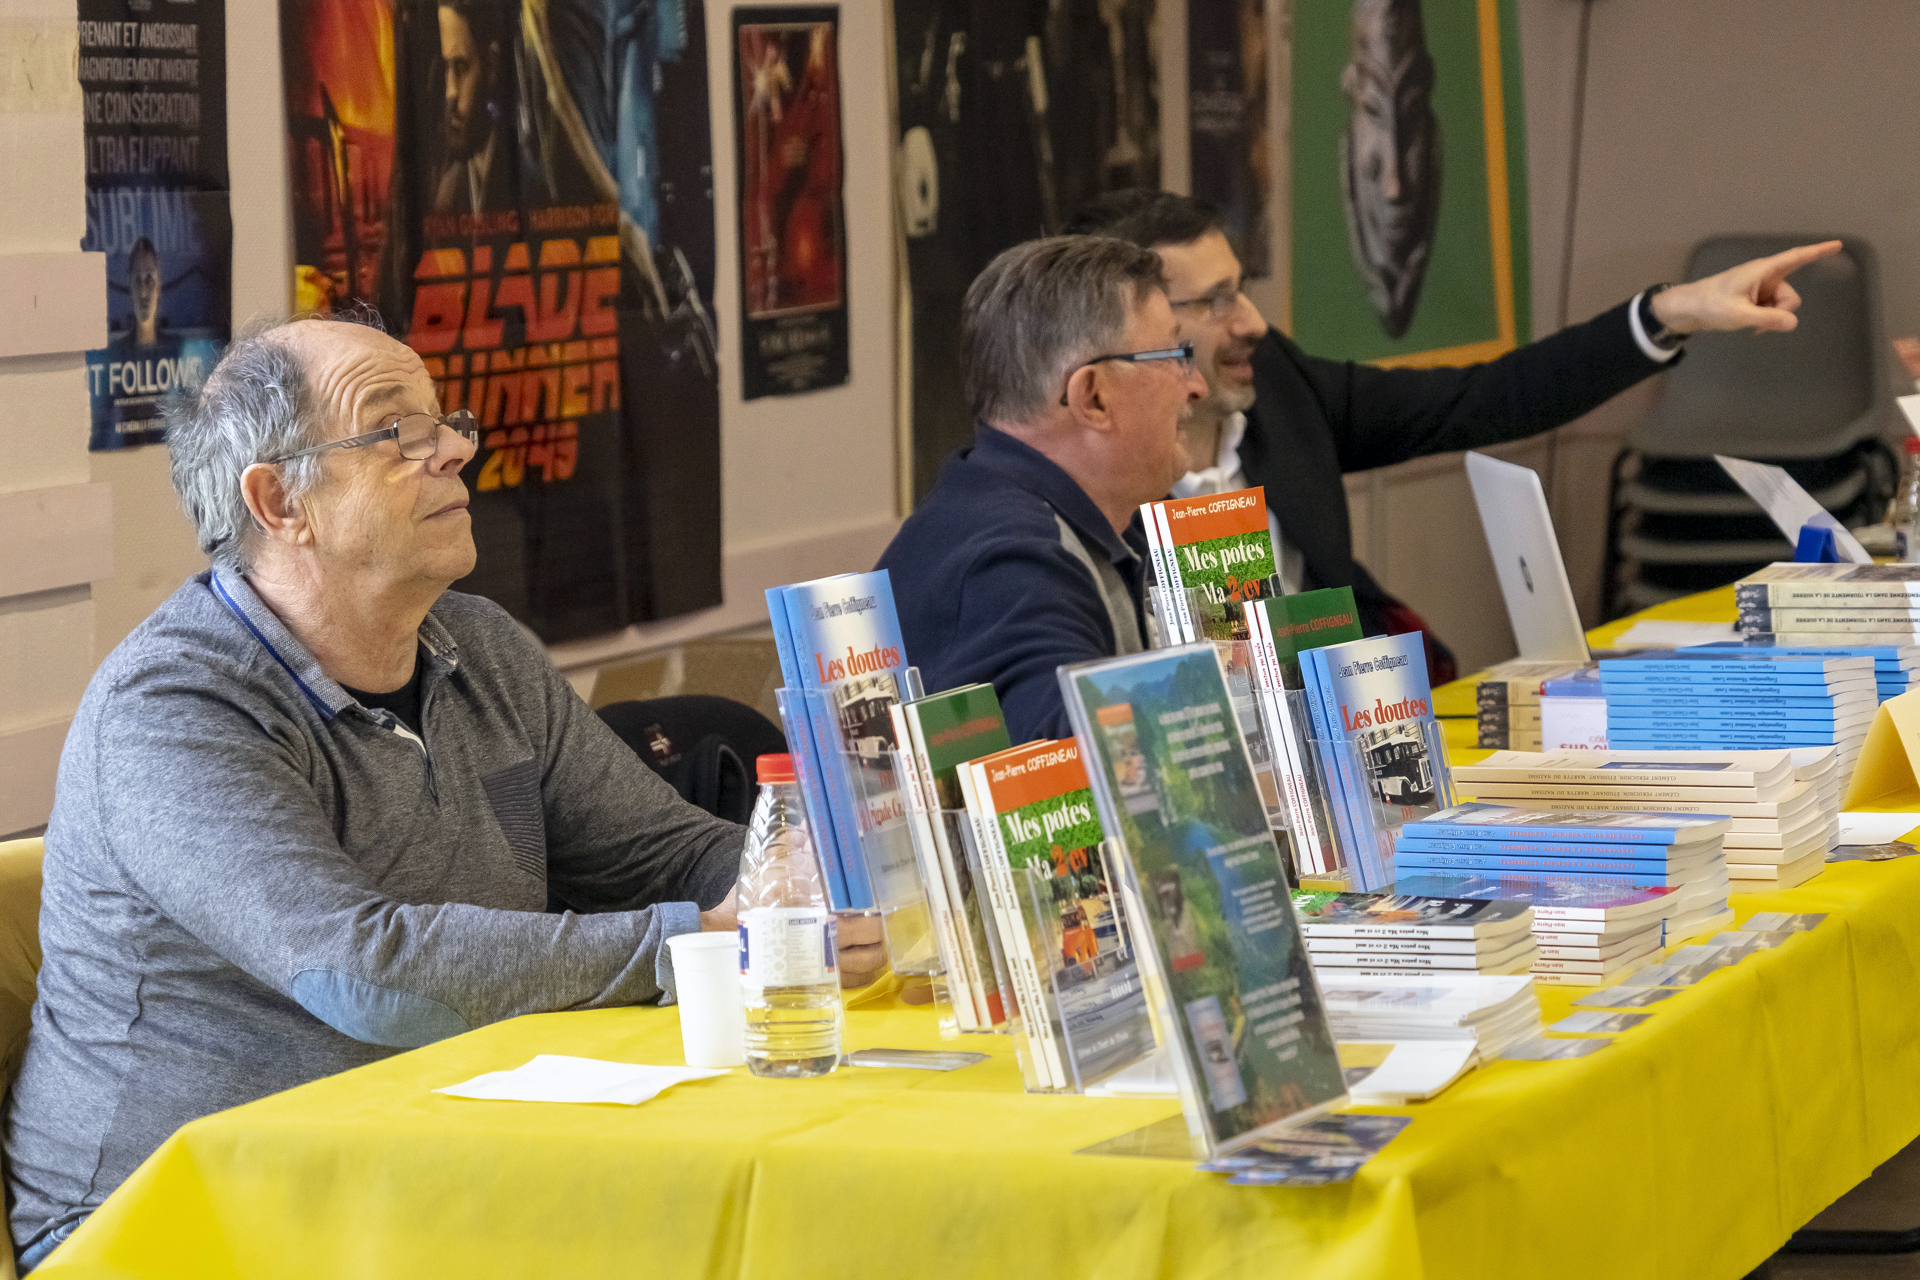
x,y
1005,572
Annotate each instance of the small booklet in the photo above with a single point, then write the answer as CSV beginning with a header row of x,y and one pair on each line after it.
x,y
1253,1052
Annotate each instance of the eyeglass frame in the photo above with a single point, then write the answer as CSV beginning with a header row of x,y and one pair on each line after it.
x,y
1183,353
392,432
1220,302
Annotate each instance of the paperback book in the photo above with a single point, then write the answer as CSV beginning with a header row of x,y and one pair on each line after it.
x,y
840,648
1083,1006
1473,821
1216,544
1252,1050
1379,741
1279,628
943,732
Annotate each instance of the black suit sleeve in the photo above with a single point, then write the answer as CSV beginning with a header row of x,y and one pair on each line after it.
x,y
1383,416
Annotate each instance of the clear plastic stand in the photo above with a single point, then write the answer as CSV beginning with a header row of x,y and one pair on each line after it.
x,y
867,803
1398,775
967,947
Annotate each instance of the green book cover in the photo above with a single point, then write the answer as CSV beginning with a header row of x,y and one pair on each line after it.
x,y
1177,793
1310,620
954,727
1051,833
1220,542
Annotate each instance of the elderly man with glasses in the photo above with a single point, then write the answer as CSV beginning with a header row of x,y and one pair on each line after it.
x,y
1028,552
318,809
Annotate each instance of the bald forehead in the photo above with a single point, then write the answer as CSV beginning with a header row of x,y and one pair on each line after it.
x,y
357,373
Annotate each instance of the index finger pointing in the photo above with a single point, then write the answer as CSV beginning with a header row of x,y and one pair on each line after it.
x,y
1785,264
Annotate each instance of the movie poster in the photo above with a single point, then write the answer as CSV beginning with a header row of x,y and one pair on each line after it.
x,y
540,229
1229,139
793,240
154,100
1010,116
1409,219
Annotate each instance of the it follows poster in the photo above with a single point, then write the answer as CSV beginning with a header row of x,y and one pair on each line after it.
x,y
522,190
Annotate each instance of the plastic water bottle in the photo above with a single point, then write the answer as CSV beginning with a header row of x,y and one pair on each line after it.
x,y
1906,504
789,978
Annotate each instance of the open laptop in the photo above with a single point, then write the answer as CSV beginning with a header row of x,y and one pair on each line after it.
x,y
1526,555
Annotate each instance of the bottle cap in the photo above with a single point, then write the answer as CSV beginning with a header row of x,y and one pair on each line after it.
x,y
774,768
1911,444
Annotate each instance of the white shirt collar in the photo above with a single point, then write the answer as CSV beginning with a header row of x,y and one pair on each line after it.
x,y
1225,474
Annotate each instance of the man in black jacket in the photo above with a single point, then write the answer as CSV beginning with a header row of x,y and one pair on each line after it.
x,y
1292,423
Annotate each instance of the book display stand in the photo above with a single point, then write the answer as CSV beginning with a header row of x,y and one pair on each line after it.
x,y
1380,786
883,853
970,957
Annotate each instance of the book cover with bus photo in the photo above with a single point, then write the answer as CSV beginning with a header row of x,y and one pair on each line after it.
x,y
1253,1050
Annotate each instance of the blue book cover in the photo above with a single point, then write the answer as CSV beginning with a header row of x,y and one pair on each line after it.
x,y
1557,850
1413,862
1805,682
1730,661
806,756
1369,872
851,659
1551,899
1732,716
1481,821
1823,700
1885,656
1679,740
1641,718
1375,696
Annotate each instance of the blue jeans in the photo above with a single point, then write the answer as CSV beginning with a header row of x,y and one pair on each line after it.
x,y
46,1242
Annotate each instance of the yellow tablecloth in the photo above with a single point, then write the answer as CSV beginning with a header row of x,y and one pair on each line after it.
x,y
1691,1148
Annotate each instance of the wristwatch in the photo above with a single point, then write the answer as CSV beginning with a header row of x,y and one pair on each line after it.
x,y
1657,333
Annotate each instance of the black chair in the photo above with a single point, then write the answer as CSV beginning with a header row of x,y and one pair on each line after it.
x,y
1814,401
704,746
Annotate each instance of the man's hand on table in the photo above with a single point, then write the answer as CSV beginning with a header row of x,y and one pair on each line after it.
x,y
724,918
863,952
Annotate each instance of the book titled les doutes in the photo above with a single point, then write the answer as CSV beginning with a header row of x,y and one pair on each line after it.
x,y
840,645
1374,711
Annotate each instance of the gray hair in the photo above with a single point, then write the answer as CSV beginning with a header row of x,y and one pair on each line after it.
x,y
1039,308
255,406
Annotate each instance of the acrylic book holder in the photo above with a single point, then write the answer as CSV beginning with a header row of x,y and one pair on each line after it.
x,y
884,857
1383,785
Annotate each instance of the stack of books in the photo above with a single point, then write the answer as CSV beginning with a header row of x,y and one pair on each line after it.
x,y
1630,849
1590,932
1895,666
1781,824
1495,1013
1739,699
1385,933
1822,605
1507,698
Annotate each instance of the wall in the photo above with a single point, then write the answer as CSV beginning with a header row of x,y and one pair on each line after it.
x,y
808,482
55,525
1700,118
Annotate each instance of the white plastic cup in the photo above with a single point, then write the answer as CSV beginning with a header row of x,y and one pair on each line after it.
x,y
713,1022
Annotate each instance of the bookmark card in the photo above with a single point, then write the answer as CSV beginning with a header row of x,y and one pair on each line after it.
x,y
1626,997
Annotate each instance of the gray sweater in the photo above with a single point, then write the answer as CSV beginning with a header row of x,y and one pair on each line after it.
x,y
252,881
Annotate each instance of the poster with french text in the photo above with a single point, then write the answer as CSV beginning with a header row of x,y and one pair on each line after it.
x,y
153,84
522,191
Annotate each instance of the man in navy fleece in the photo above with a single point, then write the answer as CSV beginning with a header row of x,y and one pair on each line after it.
x,y
1027,553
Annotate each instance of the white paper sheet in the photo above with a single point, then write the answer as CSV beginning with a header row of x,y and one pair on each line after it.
x,y
1910,405
1788,505
1657,633
553,1077
1876,828
1151,1077
1416,1070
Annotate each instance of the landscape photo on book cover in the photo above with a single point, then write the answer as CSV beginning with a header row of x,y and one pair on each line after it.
x,y
1237,968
